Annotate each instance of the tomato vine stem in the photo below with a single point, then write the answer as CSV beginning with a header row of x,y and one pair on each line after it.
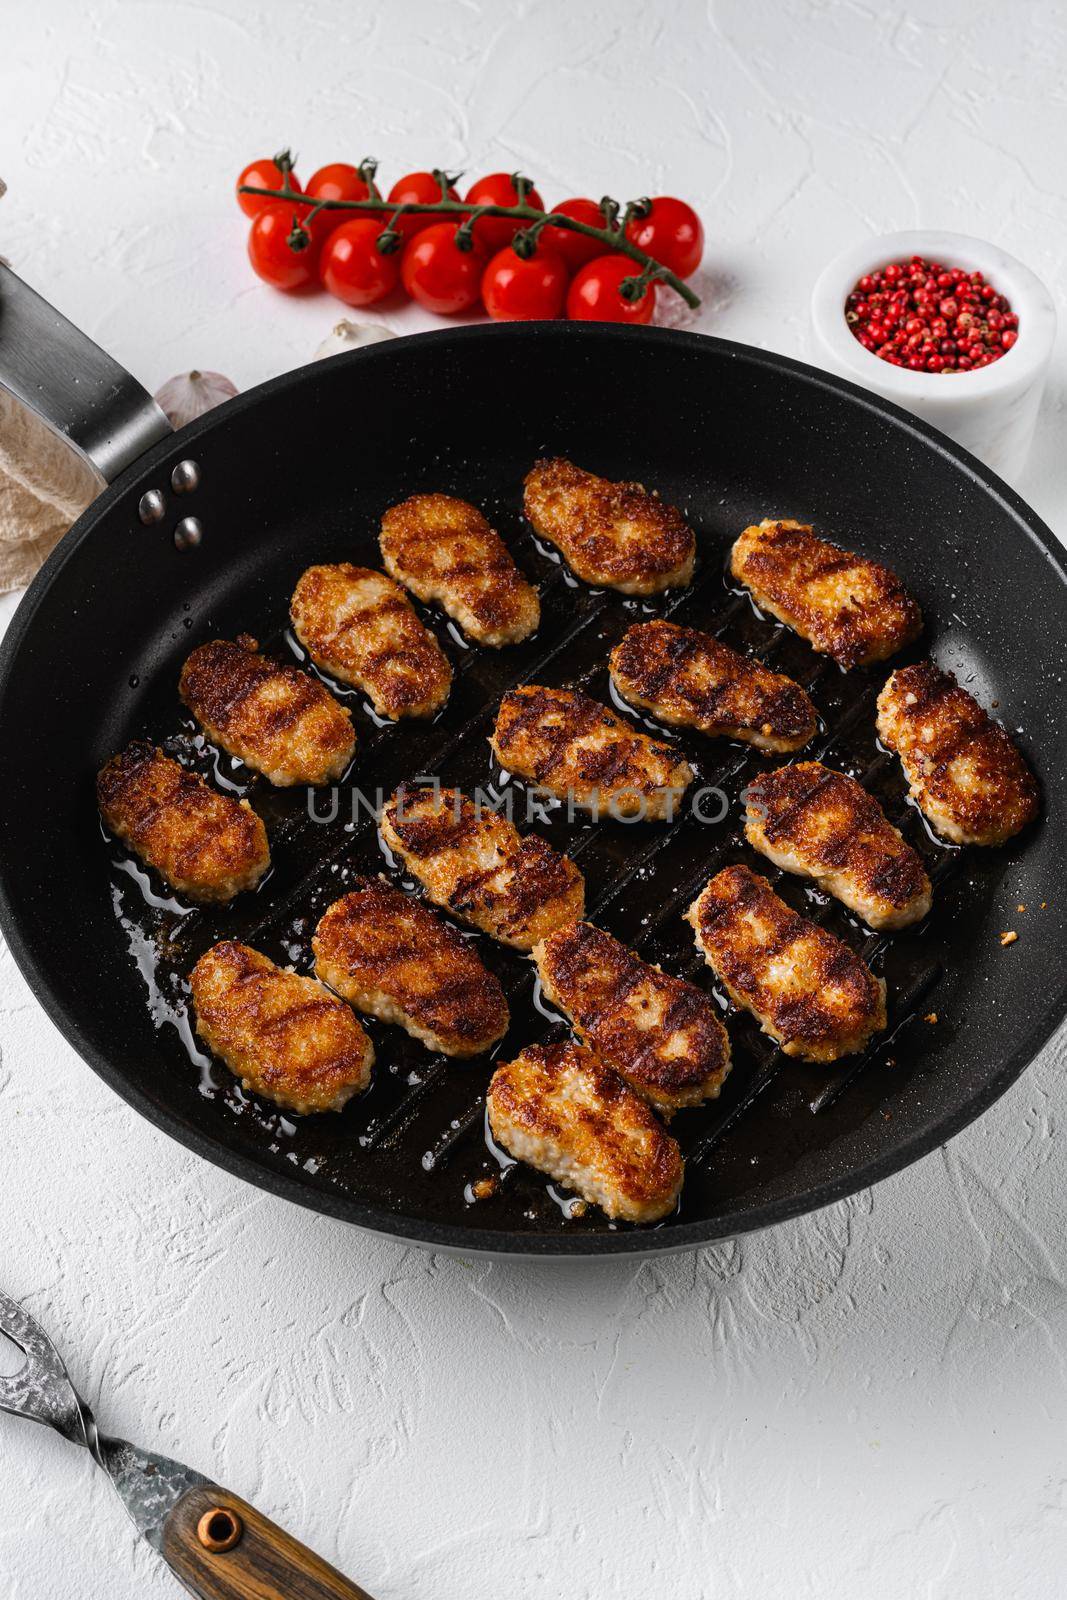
x,y
612,236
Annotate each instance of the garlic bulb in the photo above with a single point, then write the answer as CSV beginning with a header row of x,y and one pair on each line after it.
x,y
352,336
190,394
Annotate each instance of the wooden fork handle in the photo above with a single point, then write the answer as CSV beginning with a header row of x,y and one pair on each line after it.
x,y
222,1548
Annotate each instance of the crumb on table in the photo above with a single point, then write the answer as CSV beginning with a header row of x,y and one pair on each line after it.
x,y
1009,937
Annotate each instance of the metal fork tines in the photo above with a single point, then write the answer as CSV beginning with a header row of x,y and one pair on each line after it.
x,y
41,1391
41,1388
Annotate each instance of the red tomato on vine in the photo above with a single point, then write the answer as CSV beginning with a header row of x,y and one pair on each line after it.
x,y
438,274
498,189
354,268
672,233
576,248
446,276
595,294
262,175
270,253
533,290
337,181
419,188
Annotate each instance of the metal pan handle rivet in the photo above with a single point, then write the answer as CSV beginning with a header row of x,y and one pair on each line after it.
x,y
219,1529
151,507
185,477
188,533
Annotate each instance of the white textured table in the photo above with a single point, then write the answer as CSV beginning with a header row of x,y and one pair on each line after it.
x,y
870,1402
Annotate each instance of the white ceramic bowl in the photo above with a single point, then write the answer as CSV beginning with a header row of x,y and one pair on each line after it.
x,y
990,412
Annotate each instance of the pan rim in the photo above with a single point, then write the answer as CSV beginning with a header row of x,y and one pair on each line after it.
x,y
464,1239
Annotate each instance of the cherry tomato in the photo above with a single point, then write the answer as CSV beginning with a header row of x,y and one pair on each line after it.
x,y
262,175
594,294
417,187
498,189
671,233
270,254
353,268
576,248
338,181
438,274
515,290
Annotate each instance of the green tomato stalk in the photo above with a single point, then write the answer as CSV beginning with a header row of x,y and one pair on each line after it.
x,y
612,235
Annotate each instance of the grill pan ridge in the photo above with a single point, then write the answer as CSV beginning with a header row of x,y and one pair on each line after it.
x,y
300,471
426,1114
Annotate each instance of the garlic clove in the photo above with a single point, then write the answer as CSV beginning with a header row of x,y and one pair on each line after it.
x,y
190,394
347,335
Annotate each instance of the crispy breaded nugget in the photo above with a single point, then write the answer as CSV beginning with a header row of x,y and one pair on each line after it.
x,y
661,1034
284,1036
208,846
275,718
690,678
615,534
394,958
804,986
557,1107
443,549
822,824
845,605
575,748
962,768
476,864
360,626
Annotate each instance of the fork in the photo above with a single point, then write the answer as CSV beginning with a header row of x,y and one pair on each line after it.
x,y
216,1544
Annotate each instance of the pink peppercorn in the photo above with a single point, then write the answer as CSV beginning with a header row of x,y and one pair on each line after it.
x,y
931,318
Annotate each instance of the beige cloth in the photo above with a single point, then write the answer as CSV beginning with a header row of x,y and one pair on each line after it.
x,y
44,487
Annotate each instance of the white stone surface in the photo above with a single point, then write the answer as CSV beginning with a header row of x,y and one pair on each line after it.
x,y
869,1403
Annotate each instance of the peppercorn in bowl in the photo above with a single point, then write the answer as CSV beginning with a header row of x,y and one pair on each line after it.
x,y
950,327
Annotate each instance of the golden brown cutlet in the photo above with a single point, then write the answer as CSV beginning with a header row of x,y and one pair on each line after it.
x,y
804,986
691,679
394,958
614,534
275,718
962,767
845,605
575,748
286,1037
359,626
661,1034
476,864
443,549
558,1108
822,824
208,846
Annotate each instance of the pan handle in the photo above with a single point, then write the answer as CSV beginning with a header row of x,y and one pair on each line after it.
x,y
51,367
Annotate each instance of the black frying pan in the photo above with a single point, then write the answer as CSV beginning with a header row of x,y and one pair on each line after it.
x,y
300,470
